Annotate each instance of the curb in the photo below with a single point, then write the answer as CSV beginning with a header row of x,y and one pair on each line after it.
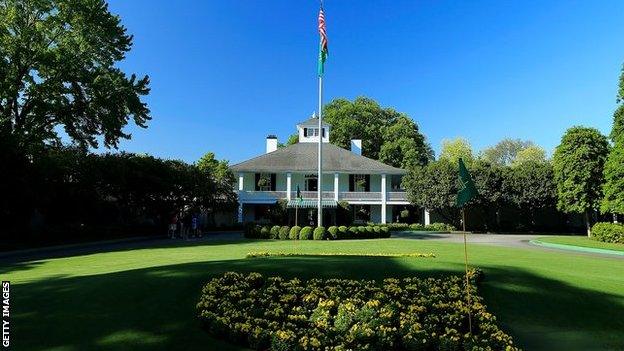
x,y
577,248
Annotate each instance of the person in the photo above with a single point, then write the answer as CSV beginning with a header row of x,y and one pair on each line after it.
x,y
173,226
194,225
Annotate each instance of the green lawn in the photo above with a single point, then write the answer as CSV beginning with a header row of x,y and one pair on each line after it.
x,y
144,299
582,241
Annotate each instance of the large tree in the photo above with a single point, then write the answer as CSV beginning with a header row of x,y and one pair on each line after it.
x,y
58,70
505,151
365,119
578,165
454,149
530,154
530,187
613,201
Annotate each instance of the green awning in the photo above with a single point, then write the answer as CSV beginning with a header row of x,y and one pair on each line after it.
x,y
307,203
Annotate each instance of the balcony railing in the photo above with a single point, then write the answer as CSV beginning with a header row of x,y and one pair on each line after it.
x,y
262,196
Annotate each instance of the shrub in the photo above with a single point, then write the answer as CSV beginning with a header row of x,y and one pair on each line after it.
x,y
608,232
283,232
417,227
341,314
354,232
439,227
274,234
377,230
370,231
319,233
362,232
265,232
385,232
294,232
250,230
306,233
397,226
333,232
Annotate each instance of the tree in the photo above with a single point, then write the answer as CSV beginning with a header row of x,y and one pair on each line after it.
x,y
218,172
530,187
618,116
505,151
58,70
530,154
364,119
488,179
614,170
454,149
578,165
292,139
434,187
404,146
218,169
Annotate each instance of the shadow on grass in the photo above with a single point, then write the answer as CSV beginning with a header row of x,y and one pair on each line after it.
x,y
154,308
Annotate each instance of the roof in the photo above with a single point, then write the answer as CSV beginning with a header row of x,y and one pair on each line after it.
x,y
312,121
302,157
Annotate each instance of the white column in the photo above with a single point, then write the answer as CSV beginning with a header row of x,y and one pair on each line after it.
x,y
427,217
288,185
241,180
336,185
383,198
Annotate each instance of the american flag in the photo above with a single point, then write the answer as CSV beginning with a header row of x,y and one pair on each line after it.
x,y
322,30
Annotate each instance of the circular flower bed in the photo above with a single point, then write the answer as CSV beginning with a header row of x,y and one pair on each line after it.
x,y
338,314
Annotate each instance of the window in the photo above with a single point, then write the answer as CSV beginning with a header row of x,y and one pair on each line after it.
x,y
311,182
395,183
265,182
312,132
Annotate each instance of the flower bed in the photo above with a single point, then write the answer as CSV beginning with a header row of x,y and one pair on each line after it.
x,y
254,254
338,314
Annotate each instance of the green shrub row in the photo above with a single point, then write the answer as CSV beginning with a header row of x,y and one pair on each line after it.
x,y
433,227
608,232
339,314
253,231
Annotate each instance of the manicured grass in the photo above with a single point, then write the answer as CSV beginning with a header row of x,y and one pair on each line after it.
x,y
582,241
145,299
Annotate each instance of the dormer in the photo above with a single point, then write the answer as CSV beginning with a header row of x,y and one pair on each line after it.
x,y
309,131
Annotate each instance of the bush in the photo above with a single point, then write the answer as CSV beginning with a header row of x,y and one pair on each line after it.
x,y
385,232
417,227
319,233
250,231
341,314
333,232
608,232
274,234
294,233
397,226
439,227
283,232
354,232
306,233
343,232
265,232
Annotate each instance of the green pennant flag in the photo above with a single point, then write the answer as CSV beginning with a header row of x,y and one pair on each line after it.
x,y
468,190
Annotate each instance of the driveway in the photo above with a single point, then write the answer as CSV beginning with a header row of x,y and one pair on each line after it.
x,y
507,240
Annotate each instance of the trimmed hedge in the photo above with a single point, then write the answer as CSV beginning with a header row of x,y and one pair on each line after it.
x,y
608,232
340,314
294,233
319,233
283,232
333,232
433,227
275,232
305,233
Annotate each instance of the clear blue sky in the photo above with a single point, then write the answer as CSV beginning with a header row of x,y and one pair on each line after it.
x,y
225,74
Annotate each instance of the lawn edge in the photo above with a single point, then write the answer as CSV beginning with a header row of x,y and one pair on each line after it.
x,y
538,242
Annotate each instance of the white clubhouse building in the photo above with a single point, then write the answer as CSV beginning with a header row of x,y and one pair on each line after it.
x,y
371,188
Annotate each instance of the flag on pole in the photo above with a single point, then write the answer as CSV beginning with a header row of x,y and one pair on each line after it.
x,y
323,51
468,190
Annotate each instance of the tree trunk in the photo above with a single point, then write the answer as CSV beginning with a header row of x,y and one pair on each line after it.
x,y
587,223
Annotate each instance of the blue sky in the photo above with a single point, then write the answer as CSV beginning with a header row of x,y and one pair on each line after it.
x,y
225,74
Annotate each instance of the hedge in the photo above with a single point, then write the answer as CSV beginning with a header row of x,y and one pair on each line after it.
x,y
294,233
333,232
339,314
319,233
306,233
275,232
283,232
433,227
608,232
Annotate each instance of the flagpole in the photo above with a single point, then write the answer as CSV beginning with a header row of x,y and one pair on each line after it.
x,y
466,265
319,185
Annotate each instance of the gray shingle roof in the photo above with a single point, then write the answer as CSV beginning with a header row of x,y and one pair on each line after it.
x,y
302,157
312,121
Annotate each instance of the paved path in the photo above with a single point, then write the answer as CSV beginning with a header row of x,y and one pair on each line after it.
x,y
506,240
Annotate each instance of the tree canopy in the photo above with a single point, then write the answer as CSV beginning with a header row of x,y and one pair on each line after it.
x,y
58,71
578,169
381,129
454,149
530,154
614,167
505,151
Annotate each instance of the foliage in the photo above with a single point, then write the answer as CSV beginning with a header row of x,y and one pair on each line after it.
x,y
530,186
333,232
265,232
608,232
339,314
505,152
284,232
381,129
578,165
294,233
613,189
530,154
319,233
274,232
434,186
617,131
454,149
59,70
305,233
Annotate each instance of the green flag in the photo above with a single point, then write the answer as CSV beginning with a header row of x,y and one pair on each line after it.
x,y
468,190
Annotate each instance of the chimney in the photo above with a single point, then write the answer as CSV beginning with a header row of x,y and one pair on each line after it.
x,y
271,143
356,146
